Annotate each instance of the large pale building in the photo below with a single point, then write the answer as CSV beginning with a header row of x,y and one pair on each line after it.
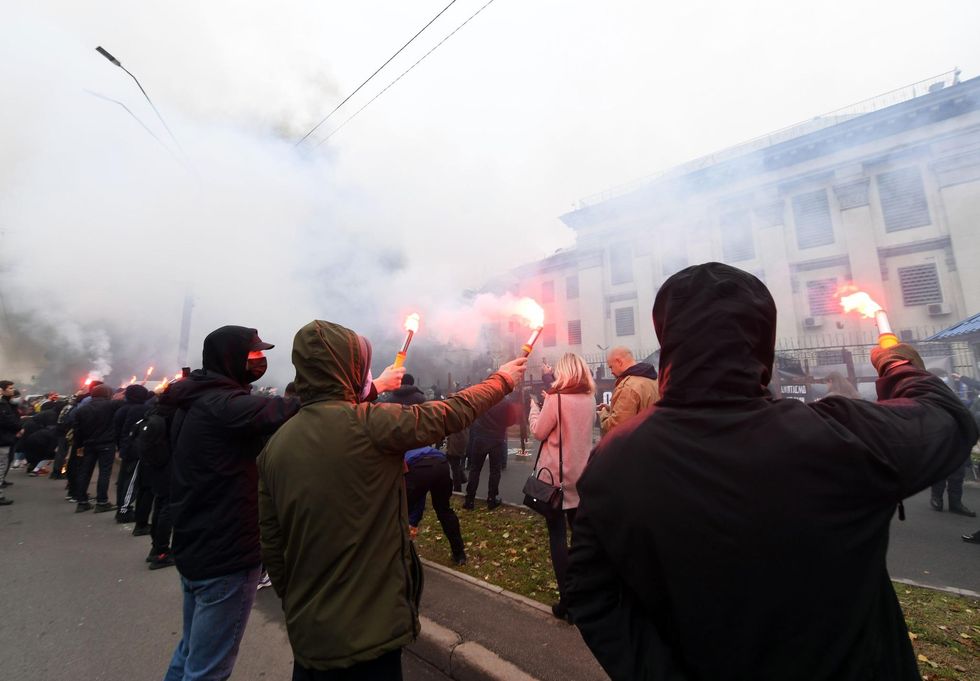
x,y
885,194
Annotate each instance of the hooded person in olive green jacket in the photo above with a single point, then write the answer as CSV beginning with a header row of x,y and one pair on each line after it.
x,y
332,511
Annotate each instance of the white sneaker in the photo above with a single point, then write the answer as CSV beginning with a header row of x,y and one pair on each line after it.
x,y
264,581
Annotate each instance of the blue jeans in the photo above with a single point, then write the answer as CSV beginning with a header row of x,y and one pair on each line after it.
x,y
215,614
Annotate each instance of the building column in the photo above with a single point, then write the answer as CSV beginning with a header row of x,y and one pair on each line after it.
x,y
770,217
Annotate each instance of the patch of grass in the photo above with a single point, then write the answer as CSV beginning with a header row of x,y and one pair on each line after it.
x,y
508,547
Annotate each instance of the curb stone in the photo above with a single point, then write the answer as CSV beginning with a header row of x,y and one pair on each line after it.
x,y
463,661
523,600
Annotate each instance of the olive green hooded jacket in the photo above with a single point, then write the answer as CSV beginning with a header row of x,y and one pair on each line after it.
x,y
332,511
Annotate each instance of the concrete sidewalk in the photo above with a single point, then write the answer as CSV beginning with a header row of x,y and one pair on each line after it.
x,y
473,631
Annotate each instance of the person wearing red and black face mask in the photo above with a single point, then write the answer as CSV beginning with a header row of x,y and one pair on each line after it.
x,y
217,429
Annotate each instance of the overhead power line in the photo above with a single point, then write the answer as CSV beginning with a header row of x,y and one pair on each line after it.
x,y
388,61
403,74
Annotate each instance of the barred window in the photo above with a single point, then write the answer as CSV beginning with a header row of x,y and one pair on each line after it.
x,y
575,332
920,285
812,216
903,199
620,264
821,296
548,336
625,325
736,237
571,287
547,292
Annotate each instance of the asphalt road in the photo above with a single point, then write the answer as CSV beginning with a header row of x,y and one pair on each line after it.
x,y
78,601
925,548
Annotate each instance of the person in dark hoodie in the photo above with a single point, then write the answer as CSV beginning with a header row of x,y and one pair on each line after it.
x,y
759,525
95,443
636,389
131,413
407,393
217,429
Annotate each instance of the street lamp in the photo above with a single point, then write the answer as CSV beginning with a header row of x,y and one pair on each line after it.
x,y
105,53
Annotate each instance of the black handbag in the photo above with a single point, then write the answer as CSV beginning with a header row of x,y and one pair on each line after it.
x,y
545,497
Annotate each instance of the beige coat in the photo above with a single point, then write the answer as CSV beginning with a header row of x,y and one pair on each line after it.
x,y
631,395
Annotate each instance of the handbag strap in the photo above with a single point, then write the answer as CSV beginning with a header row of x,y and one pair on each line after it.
x,y
560,456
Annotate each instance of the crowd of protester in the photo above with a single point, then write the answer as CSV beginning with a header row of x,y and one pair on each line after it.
x,y
319,493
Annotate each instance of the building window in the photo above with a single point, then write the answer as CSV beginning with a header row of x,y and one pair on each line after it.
x,y
812,216
737,242
575,332
903,199
571,287
920,285
625,325
621,264
547,292
821,295
548,336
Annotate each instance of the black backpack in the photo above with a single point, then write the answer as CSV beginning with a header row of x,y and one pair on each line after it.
x,y
151,439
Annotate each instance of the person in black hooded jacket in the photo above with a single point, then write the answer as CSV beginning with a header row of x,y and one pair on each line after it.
x,y
217,429
758,525
124,422
407,393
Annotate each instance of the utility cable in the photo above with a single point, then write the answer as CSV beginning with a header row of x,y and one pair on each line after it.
x,y
325,118
404,73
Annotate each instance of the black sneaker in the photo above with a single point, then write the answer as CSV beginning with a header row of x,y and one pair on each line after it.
x,y
6,502
127,517
162,560
141,530
936,503
460,559
7,484
960,509
104,507
493,503
83,506
560,610
468,504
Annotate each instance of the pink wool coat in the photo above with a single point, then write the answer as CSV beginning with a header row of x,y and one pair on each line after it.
x,y
577,419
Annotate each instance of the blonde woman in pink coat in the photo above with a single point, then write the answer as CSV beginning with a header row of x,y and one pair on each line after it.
x,y
574,390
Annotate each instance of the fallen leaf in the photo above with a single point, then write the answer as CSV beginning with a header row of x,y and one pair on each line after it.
x,y
922,658
943,627
965,636
913,636
505,535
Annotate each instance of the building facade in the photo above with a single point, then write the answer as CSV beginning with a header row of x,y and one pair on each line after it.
x,y
885,195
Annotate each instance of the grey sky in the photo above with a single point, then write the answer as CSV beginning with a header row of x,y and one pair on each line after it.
x,y
457,172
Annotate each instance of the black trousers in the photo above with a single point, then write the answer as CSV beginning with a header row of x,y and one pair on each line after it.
x,y
125,499
59,458
459,477
73,464
479,452
388,667
953,486
163,526
144,496
558,544
103,456
431,476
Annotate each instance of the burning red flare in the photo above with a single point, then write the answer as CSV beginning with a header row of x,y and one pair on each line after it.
x,y
533,314
852,299
411,328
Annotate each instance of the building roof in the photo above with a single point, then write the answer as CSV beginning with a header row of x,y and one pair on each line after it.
x,y
964,330
890,114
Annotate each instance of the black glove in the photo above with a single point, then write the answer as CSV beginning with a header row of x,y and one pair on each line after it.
x,y
881,358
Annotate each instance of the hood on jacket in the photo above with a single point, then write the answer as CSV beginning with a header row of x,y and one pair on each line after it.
x,y
332,363
137,394
641,369
717,331
226,351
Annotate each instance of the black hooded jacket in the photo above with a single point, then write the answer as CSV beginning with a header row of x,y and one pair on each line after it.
x,y
133,410
217,430
407,395
724,535
9,423
94,422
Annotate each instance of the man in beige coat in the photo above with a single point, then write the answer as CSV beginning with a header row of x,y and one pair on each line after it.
x,y
636,388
